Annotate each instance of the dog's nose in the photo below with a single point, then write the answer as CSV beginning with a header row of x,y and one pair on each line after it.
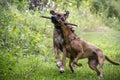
x,y
54,17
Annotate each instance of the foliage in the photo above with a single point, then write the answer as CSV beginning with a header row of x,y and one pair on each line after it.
x,y
22,34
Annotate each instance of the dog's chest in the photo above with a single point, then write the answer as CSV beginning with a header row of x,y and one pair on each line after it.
x,y
58,36
59,40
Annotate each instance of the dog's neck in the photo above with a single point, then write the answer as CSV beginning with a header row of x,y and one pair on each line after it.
x,y
58,29
68,34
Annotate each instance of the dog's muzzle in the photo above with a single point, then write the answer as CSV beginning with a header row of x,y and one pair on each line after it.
x,y
54,19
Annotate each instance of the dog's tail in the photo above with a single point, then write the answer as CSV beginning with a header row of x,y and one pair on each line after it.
x,y
108,59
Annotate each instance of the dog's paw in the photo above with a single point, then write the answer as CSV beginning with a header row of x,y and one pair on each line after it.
x,y
58,64
79,64
61,70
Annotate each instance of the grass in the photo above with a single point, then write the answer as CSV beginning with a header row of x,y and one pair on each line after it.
x,y
42,67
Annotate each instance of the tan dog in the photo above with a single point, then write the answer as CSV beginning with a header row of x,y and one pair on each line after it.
x,y
77,48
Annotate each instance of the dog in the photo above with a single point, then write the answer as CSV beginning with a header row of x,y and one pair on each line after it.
x,y
76,48
58,40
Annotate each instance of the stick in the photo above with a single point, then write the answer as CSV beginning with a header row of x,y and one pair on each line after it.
x,y
66,23
46,17
70,24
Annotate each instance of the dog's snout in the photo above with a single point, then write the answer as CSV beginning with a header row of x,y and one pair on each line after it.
x,y
54,17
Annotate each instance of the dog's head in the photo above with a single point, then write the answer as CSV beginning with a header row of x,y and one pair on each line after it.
x,y
58,16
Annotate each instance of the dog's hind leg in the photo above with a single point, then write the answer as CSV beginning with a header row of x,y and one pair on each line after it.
x,y
93,65
101,59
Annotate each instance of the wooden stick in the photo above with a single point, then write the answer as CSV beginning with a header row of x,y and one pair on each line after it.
x,y
46,17
70,24
66,23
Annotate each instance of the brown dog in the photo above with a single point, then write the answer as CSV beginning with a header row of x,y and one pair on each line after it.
x,y
57,35
77,48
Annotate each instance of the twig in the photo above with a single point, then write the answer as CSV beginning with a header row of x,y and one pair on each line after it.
x,y
66,23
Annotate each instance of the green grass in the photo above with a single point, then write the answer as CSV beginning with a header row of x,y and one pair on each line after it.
x,y
42,67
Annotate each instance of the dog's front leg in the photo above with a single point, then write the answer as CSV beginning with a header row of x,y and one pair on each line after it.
x,y
71,65
62,68
79,55
57,56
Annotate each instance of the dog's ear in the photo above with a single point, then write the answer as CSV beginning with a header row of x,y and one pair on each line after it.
x,y
66,14
52,12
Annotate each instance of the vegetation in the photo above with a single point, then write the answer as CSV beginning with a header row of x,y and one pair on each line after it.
x,y
26,48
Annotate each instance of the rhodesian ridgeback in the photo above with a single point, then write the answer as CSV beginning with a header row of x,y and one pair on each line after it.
x,y
58,39
76,48
58,36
